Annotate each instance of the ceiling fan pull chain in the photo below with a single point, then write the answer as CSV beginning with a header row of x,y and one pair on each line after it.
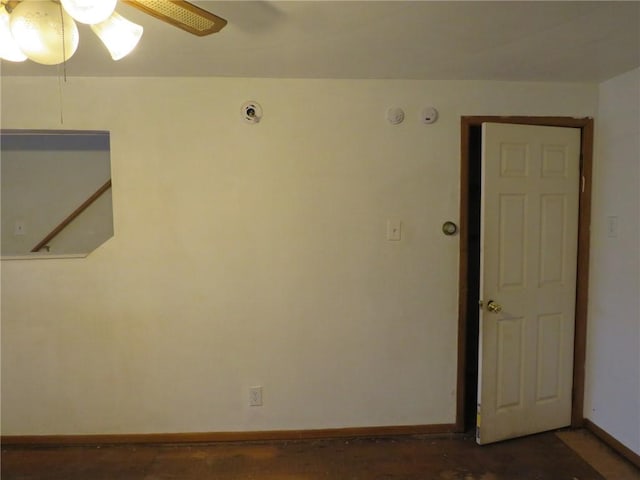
x,y
64,51
60,97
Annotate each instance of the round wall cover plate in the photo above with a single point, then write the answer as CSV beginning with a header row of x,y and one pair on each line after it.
x,y
429,115
449,228
251,111
395,115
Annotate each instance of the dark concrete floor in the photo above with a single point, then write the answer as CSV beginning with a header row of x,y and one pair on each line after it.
x,y
453,457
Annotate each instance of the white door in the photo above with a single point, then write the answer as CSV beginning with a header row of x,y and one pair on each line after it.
x,y
528,252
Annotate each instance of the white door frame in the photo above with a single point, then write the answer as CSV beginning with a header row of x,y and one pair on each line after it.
x,y
584,218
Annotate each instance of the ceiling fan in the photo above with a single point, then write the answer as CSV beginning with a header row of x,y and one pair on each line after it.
x,y
182,14
54,23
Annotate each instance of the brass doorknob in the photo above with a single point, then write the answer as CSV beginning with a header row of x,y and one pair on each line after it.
x,y
494,307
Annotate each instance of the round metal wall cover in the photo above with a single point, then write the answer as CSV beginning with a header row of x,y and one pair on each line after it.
x,y
449,228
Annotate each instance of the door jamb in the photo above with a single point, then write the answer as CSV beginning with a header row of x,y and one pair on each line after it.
x,y
586,126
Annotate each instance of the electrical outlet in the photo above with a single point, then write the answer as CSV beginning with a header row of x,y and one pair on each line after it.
x,y
255,397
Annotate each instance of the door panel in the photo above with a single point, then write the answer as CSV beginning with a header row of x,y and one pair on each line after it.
x,y
549,356
528,254
552,221
510,381
512,243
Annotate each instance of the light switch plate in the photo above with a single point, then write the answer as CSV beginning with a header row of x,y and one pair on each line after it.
x,y
612,226
394,230
20,227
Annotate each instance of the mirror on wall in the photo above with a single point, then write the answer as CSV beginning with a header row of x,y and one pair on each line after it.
x,y
55,189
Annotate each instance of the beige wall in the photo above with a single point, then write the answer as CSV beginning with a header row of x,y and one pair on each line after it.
x,y
252,255
612,396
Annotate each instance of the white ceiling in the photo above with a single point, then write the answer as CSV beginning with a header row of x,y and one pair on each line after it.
x,y
503,40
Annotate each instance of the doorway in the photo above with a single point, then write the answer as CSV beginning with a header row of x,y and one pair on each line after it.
x,y
469,273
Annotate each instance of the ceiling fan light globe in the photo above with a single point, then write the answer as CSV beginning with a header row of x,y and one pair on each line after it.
x,y
44,32
89,11
9,49
118,34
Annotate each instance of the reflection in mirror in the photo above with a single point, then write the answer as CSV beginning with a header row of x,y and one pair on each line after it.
x,y
55,192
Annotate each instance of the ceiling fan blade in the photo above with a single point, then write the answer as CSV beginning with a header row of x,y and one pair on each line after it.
x,y
181,14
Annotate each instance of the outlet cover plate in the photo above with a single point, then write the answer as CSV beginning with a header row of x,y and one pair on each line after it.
x,y
255,396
